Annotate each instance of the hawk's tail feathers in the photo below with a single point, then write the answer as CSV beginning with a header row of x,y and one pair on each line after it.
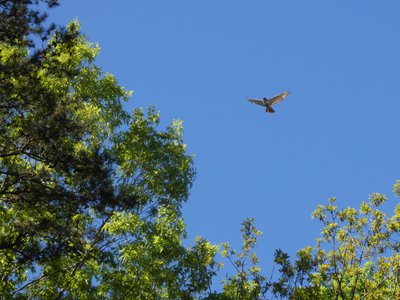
x,y
269,109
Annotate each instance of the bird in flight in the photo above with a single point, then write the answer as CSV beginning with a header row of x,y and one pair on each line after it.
x,y
269,102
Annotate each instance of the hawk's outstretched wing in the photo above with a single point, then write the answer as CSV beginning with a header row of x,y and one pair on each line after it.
x,y
257,101
278,98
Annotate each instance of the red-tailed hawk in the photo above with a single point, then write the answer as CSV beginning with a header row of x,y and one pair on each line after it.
x,y
269,102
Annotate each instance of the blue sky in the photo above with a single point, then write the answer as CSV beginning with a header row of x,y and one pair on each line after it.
x,y
335,135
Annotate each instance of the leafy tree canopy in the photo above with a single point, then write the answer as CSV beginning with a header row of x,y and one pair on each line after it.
x,y
85,186
357,256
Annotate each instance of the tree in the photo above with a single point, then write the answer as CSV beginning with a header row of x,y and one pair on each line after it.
x,y
356,258
90,195
247,283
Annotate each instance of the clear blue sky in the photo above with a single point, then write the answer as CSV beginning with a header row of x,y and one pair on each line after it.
x,y
337,134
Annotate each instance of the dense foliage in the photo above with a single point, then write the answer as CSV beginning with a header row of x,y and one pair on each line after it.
x,y
83,183
357,257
